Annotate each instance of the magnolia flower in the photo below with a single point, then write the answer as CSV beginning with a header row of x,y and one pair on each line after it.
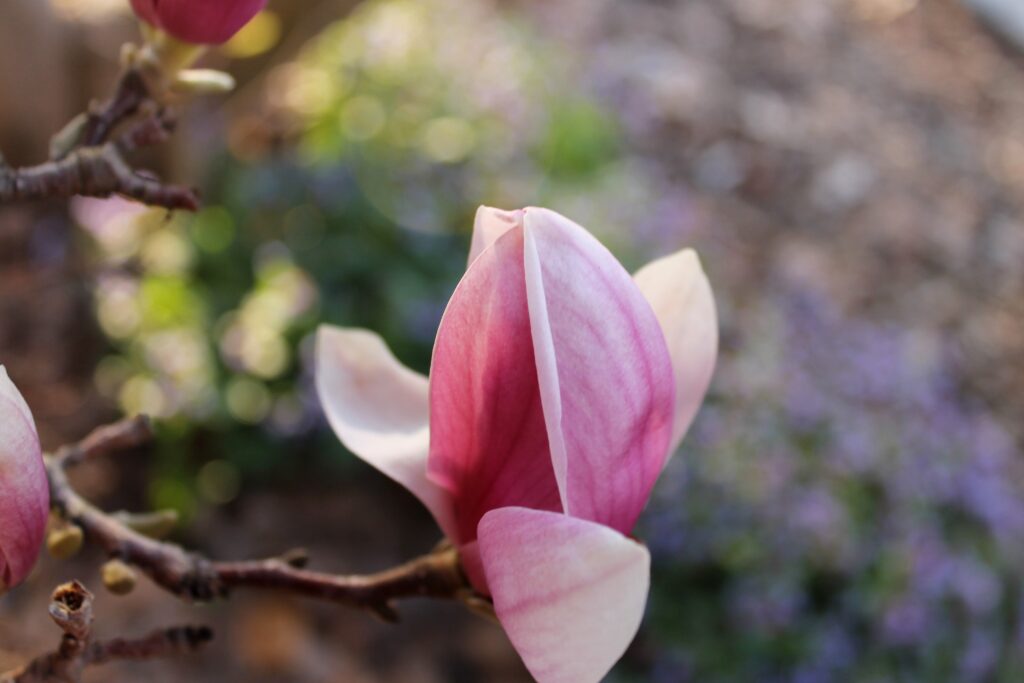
x,y
203,22
24,490
559,387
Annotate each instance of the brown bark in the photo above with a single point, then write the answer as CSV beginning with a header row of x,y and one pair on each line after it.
x,y
71,610
85,158
193,577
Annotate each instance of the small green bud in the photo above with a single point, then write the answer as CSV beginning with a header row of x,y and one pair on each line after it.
x,y
118,577
159,524
64,541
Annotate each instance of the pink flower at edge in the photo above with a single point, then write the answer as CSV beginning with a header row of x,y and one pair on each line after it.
x,y
201,22
559,388
24,489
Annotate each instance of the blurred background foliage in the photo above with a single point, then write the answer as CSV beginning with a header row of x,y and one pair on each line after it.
x,y
849,505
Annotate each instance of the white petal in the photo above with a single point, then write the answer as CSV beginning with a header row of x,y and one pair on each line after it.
x,y
379,410
680,294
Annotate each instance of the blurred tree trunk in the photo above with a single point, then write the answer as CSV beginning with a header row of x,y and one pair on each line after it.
x,y
47,338
35,93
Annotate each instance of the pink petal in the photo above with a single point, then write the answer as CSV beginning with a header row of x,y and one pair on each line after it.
x,y
378,408
207,22
24,489
488,442
569,593
490,224
605,374
679,292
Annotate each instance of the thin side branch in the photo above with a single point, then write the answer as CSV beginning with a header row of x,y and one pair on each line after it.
x,y
71,610
163,644
119,436
436,575
131,93
193,577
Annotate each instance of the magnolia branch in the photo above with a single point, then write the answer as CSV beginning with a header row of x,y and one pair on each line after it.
x,y
87,159
71,610
131,93
193,577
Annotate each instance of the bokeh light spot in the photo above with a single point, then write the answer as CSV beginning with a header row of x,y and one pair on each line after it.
x,y
448,139
362,117
213,230
247,400
219,482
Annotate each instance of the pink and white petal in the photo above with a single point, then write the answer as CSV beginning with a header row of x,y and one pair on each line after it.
x,y
490,224
379,410
570,593
24,489
604,372
680,294
488,440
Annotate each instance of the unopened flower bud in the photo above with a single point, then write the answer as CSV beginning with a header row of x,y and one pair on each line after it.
x,y
24,489
200,22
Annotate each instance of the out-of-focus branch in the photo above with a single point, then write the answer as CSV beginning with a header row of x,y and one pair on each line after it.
x,y
101,120
119,436
87,159
99,171
194,577
71,610
162,644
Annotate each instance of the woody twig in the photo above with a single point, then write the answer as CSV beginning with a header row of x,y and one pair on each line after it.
x,y
194,577
90,155
71,609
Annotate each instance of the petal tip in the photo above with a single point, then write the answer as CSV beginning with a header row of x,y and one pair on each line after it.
x,y
489,225
679,292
